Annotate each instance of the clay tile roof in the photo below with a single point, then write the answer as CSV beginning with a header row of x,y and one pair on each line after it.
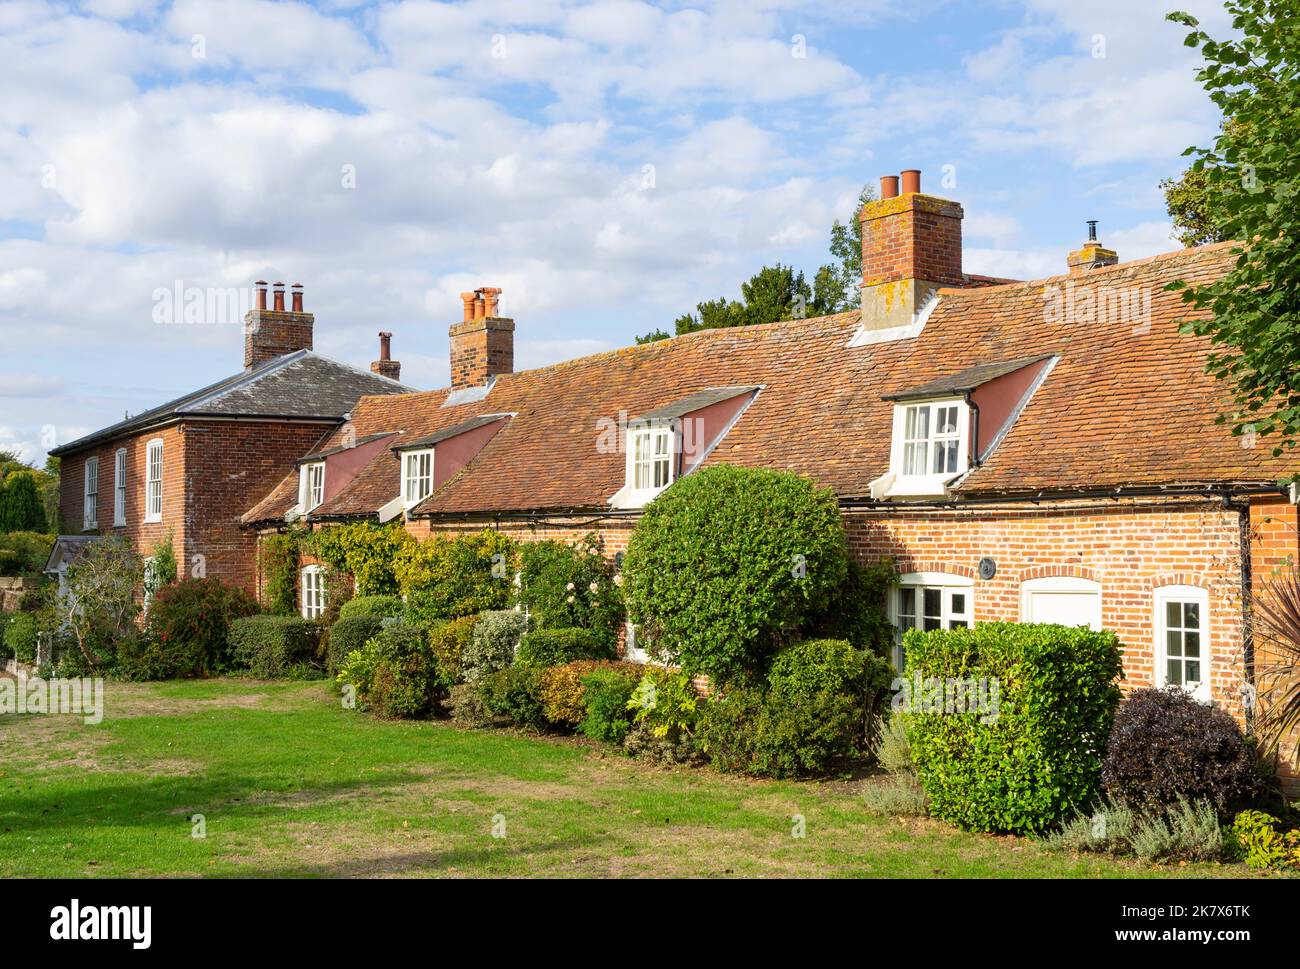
x,y
1128,403
328,452
966,380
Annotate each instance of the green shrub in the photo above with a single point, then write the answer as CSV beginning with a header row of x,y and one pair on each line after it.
x,y
1108,829
894,752
448,577
1260,841
805,669
448,641
467,707
364,550
190,624
856,609
160,568
1031,756
5,651
349,634
729,562
726,729
515,693
272,646
563,691
897,795
492,644
1166,747
280,555
666,704
20,636
605,694
775,734
570,587
396,674
25,553
1188,831
554,647
381,606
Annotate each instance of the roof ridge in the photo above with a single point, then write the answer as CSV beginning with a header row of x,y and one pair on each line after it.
x,y
356,369
1189,252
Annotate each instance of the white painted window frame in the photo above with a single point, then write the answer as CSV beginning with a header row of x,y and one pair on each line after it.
x,y
119,487
311,492
652,433
947,583
313,591
929,483
408,457
90,494
153,485
1161,598
633,652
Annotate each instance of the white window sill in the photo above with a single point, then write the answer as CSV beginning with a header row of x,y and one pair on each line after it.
x,y
922,486
627,497
152,520
391,510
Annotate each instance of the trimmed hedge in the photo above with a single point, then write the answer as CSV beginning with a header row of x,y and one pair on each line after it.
x,y
1166,746
1032,756
729,562
349,634
270,646
554,647
381,606
20,636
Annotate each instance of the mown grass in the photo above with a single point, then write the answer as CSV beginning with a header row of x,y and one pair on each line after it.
x,y
290,784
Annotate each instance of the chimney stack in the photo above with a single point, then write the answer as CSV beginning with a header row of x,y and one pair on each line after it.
x,y
911,246
273,333
1092,256
482,343
386,366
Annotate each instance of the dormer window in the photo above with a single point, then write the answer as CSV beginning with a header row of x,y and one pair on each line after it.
x,y
311,485
931,447
417,476
650,459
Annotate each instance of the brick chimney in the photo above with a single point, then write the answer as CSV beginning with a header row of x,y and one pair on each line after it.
x,y
271,333
1093,255
911,245
483,343
386,366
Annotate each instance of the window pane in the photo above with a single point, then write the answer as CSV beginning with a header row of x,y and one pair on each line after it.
x,y
1193,672
906,603
1173,672
1173,614
1191,615
914,458
931,622
1174,643
918,424
1191,644
958,604
933,602
946,421
945,457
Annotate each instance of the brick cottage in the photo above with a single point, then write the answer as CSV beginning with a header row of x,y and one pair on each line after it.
x,y
1041,451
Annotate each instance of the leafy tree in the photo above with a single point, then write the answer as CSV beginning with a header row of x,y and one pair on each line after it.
x,y
21,509
99,606
1189,206
782,292
1252,175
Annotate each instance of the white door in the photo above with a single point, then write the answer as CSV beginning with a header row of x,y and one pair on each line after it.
x,y
1062,600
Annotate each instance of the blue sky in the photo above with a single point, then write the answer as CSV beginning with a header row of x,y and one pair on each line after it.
x,y
608,164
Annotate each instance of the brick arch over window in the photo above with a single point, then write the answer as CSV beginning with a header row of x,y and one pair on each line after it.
x,y
1059,571
1176,578
906,565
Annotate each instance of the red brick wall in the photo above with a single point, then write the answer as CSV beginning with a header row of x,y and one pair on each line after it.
x,y
213,472
912,237
1131,549
1275,551
481,348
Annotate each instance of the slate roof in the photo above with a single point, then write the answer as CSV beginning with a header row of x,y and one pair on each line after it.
x,y
429,440
693,402
1126,405
275,388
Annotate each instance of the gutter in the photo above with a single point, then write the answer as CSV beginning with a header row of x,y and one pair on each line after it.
x,y
1223,492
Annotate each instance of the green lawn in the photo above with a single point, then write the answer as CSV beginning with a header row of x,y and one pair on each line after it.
x,y
290,784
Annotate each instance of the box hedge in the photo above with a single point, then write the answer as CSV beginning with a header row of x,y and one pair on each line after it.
x,y
1008,722
553,647
381,606
270,646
